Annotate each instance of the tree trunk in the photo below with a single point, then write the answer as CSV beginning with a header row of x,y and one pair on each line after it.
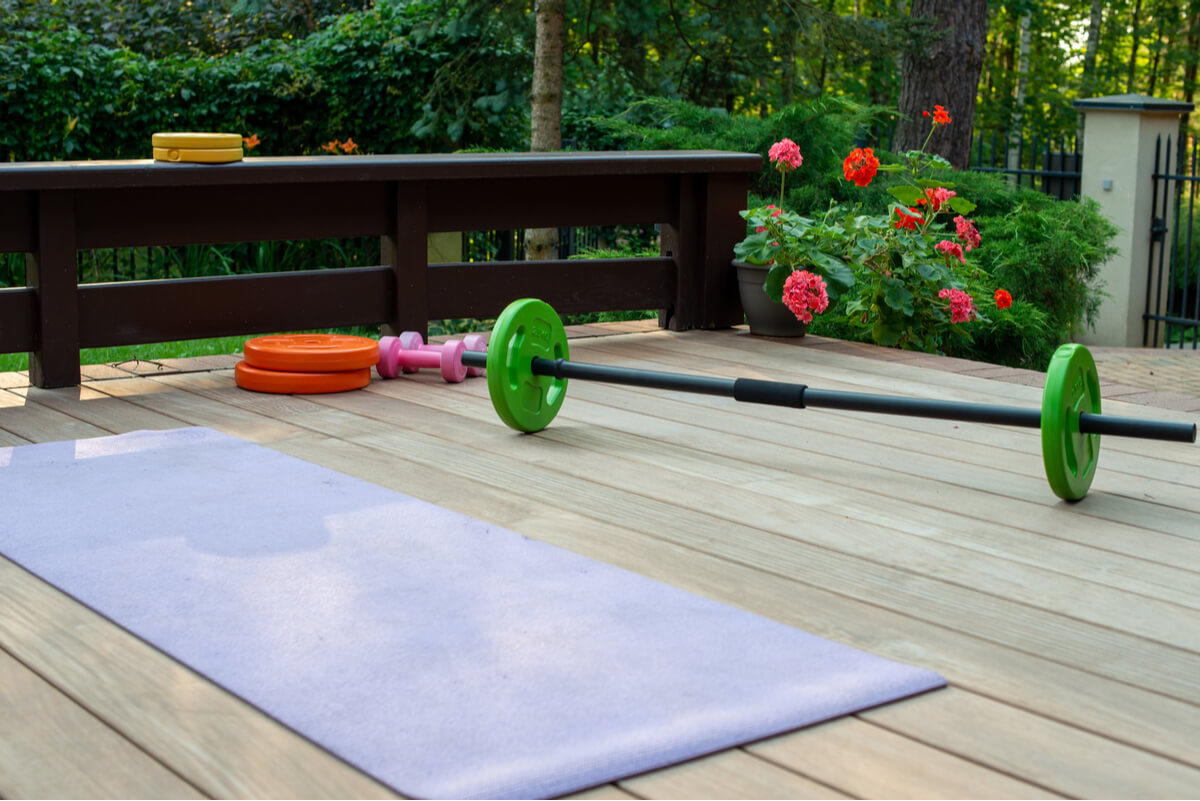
x,y
1193,57
1093,44
946,73
1017,120
1133,50
545,132
1087,85
1160,44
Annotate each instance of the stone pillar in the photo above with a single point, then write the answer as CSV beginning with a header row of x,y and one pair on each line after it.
x,y
1119,140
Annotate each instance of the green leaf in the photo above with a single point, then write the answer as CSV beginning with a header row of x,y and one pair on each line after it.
x,y
897,296
774,283
961,205
837,273
908,195
886,333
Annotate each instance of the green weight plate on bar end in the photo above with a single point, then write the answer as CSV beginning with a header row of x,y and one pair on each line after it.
x,y
1072,388
526,329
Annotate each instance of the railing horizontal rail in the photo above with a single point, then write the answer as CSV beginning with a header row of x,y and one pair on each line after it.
x,y
132,312
1015,171
1174,177
54,210
569,286
1187,322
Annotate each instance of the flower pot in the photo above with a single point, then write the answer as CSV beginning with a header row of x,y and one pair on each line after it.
x,y
766,317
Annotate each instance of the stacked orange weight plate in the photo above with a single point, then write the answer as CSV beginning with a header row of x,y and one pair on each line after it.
x,y
306,364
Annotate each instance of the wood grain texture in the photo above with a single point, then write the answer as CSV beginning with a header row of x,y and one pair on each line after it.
x,y
729,774
53,748
1068,632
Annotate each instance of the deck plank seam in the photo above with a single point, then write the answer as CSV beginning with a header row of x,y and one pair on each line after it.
x,y
93,714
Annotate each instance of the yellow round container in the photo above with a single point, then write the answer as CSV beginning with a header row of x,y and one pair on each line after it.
x,y
203,148
197,141
202,156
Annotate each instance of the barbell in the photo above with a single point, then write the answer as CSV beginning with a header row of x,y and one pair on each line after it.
x,y
528,365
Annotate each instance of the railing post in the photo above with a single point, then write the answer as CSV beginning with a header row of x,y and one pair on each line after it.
x,y
1120,132
700,238
405,250
51,271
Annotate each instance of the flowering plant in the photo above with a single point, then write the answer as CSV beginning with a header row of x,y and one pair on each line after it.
x,y
903,275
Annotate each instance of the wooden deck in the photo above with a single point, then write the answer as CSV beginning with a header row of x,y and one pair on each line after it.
x,y
1070,634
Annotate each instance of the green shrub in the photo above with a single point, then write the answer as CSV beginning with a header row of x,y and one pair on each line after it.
x,y
1049,252
399,77
1046,252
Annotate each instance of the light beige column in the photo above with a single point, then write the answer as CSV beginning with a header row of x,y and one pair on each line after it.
x,y
1120,136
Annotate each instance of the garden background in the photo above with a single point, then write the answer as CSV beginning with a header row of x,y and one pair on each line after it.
x,y
91,79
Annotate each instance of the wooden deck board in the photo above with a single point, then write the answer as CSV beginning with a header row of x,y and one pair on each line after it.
x,y
54,748
1068,632
869,761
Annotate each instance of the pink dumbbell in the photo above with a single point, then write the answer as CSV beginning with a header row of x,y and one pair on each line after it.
x,y
472,342
408,353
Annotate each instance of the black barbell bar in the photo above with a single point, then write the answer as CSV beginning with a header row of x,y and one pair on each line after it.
x,y
800,396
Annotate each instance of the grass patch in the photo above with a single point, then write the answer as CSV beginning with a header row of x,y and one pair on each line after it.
x,y
10,362
1180,336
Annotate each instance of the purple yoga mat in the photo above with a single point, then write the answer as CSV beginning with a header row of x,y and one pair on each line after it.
x,y
444,656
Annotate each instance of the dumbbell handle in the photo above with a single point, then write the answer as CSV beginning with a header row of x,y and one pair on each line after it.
x,y
426,356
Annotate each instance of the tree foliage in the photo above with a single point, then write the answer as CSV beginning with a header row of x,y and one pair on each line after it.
x,y
460,68
399,77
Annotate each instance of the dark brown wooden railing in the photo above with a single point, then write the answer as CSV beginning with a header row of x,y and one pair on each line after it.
x,y
52,210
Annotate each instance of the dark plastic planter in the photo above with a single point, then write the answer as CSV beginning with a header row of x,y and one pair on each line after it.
x,y
766,317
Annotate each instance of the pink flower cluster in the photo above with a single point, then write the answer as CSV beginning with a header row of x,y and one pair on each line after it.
x,y
962,307
967,233
775,213
938,196
785,155
948,249
804,293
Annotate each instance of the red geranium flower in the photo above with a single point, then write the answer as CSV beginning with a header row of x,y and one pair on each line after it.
x,y
908,221
940,115
860,166
1003,299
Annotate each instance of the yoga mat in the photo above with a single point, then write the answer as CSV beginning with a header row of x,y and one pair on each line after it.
x,y
444,656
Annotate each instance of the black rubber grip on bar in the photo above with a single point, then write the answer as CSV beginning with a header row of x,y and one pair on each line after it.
x,y
776,393
472,358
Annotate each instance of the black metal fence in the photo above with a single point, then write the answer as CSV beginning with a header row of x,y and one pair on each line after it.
x,y
1055,172
1173,300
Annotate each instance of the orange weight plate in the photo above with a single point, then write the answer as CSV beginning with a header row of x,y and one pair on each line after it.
x,y
299,383
317,353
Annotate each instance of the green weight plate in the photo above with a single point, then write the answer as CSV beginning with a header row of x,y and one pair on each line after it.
x,y
1072,388
525,329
